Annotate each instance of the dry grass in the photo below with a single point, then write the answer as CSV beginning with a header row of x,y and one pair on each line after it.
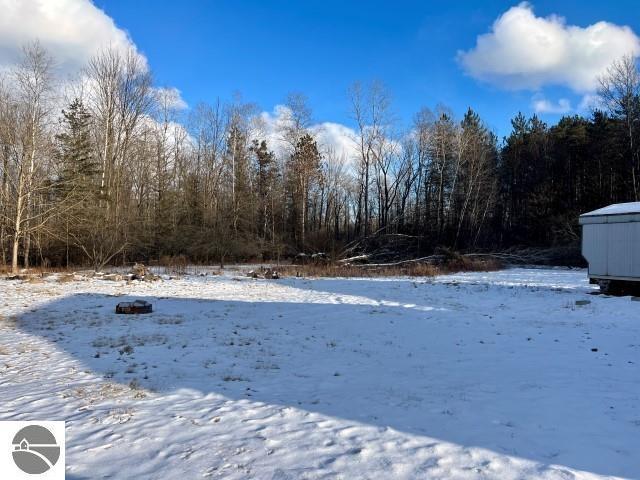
x,y
176,264
41,271
179,265
461,264
66,278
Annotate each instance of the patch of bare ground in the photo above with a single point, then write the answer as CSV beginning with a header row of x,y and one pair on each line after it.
x,y
96,393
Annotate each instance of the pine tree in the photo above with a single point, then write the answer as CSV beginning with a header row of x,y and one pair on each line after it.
x,y
265,177
304,169
79,173
79,167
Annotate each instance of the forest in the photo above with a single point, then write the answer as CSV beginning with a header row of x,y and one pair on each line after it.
x,y
109,169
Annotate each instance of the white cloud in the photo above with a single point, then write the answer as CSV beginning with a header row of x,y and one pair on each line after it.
x,y
332,137
170,98
270,126
523,51
542,105
71,30
591,102
338,138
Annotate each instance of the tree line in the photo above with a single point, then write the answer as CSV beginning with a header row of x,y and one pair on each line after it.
x,y
109,169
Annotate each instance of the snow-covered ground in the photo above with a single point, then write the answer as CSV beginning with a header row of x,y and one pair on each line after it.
x,y
476,375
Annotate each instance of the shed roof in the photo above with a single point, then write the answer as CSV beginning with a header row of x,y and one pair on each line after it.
x,y
615,209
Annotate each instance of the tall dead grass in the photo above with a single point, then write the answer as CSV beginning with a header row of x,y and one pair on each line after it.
x,y
461,264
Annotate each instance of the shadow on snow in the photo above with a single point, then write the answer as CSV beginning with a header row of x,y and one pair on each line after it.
x,y
389,365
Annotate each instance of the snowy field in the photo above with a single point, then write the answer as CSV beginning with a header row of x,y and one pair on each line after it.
x,y
478,375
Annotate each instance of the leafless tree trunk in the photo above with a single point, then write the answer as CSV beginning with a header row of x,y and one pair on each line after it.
x,y
620,90
33,79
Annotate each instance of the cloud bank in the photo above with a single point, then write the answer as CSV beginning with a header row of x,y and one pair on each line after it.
x,y
170,98
526,52
71,30
333,138
542,105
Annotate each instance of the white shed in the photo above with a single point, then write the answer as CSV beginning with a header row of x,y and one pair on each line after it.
x,y
611,243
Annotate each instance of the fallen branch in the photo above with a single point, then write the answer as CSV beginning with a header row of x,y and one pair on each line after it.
x,y
357,258
428,259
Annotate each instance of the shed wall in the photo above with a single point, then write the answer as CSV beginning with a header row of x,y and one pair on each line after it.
x,y
620,249
635,259
612,249
594,247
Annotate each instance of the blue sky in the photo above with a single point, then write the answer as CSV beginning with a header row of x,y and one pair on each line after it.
x,y
264,49
497,57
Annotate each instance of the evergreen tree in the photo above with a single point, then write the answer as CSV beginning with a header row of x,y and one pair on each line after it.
x,y
265,176
78,179
79,169
304,168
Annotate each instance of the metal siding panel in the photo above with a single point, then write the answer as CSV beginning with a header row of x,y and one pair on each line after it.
x,y
620,249
635,260
589,220
620,218
594,247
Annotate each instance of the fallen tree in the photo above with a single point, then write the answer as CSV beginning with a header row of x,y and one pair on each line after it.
x,y
387,250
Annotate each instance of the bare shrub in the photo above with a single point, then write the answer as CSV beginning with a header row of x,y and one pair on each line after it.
x,y
176,264
66,278
456,264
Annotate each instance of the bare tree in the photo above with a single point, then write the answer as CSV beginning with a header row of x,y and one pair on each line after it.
x,y
371,111
297,119
620,90
119,96
8,121
33,81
